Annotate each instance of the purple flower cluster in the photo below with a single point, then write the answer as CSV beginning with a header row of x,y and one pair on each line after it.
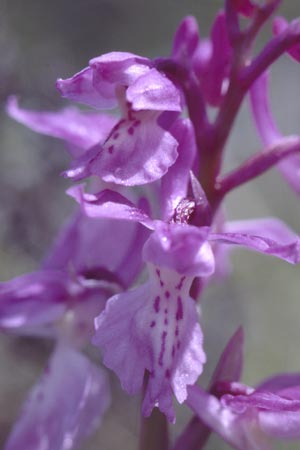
x,y
127,270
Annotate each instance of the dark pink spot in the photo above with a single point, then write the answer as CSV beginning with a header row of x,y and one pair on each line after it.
x,y
110,149
163,348
166,311
160,280
167,294
152,324
179,312
173,351
179,285
136,123
116,135
121,122
176,331
130,131
167,373
156,304
130,114
166,322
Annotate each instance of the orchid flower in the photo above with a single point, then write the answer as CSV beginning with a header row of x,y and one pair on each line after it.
x,y
156,325
246,418
159,155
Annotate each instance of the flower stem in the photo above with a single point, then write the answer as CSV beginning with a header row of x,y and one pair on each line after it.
x,y
194,437
154,432
257,165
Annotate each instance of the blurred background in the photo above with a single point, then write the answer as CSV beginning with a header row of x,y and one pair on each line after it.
x,y
41,41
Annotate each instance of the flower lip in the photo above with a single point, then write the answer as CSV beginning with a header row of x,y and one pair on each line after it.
x,y
180,247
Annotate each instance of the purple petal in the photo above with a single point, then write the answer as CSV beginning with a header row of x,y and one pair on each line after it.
x,y
280,25
174,184
155,328
281,425
262,115
117,69
213,83
80,88
230,364
279,382
154,91
107,204
81,129
89,244
241,432
64,407
269,133
136,152
186,40
269,236
182,248
221,420
260,400
33,301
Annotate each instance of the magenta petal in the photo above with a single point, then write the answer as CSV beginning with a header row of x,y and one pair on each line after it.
x,y
241,432
124,350
85,244
221,420
138,151
269,236
81,129
80,88
268,131
33,301
260,400
182,248
64,407
154,91
155,328
262,115
280,25
108,204
186,40
281,425
279,382
214,81
117,69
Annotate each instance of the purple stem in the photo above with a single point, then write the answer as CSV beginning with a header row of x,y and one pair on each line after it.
x,y
232,20
261,16
242,43
194,436
257,165
270,53
154,432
